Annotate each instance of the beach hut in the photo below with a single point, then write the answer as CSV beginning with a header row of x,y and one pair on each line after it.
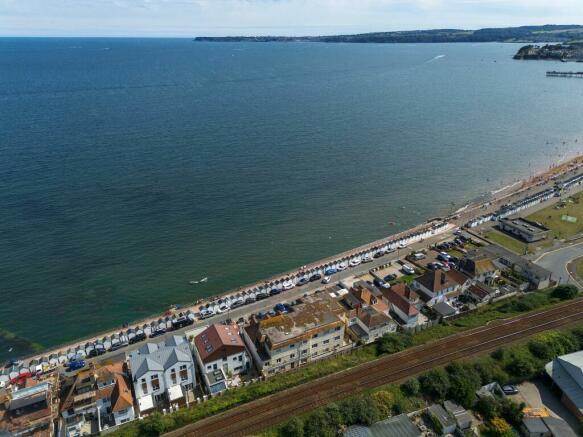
x,y
123,338
99,347
80,352
24,371
14,373
71,353
161,324
106,342
131,333
89,349
190,315
115,340
62,357
53,360
4,376
34,366
44,362
168,325
147,330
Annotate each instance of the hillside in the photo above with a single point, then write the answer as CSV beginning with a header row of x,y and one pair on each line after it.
x,y
526,34
557,52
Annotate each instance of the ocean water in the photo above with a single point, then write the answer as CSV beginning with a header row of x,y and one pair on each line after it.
x,y
129,167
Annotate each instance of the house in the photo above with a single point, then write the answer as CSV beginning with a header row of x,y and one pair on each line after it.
x,y
480,293
97,397
31,410
537,276
404,303
370,295
566,372
370,324
527,230
478,266
462,417
444,423
220,347
313,330
163,373
396,426
437,285
534,427
443,309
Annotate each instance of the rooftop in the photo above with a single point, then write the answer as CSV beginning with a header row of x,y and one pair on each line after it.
x,y
159,356
397,426
497,252
567,372
525,226
217,337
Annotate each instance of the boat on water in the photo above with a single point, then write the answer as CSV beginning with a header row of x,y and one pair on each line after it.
x,y
205,279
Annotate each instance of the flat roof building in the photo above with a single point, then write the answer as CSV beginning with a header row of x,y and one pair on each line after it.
x,y
525,229
566,372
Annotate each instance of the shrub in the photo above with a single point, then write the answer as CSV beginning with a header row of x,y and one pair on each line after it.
x,y
521,365
317,425
500,428
293,428
435,384
565,292
384,401
411,387
391,343
488,407
463,383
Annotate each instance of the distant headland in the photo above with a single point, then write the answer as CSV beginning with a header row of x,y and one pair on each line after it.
x,y
523,34
553,52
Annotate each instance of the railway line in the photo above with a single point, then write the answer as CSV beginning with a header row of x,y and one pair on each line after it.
x,y
262,413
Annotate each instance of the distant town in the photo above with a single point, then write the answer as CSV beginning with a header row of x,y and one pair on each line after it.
x,y
375,325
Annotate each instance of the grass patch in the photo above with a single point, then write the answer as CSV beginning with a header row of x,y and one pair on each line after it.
x,y
157,424
507,241
551,217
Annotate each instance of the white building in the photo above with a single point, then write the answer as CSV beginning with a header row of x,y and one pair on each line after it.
x,y
162,373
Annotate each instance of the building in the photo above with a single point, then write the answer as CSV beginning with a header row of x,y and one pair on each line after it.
x,y
537,276
462,417
313,330
558,427
478,266
566,372
437,285
370,295
97,398
369,324
443,309
30,410
438,415
527,230
397,426
534,427
163,373
220,348
480,293
404,304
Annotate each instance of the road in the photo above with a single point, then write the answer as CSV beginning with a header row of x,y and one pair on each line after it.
x,y
266,412
556,261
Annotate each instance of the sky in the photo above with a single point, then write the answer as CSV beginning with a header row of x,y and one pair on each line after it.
x,y
189,18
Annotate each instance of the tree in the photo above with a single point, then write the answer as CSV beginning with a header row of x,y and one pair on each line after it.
x,y
488,407
500,428
540,349
391,343
565,291
335,416
484,369
511,411
153,425
384,401
411,387
317,425
521,365
293,428
463,383
435,384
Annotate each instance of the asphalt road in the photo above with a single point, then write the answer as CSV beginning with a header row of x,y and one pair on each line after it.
x,y
556,261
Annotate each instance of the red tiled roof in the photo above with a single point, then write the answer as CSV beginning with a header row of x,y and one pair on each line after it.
x,y
401,302
121,398
216,337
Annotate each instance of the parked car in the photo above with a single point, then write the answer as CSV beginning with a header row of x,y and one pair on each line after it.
x,y
418,256
76,365
326,280
330,271
315,277
280,308
302,281
379,283
379,254
390,277
407,269
510,389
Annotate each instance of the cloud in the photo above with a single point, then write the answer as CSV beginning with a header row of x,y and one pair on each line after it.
x,y
282,17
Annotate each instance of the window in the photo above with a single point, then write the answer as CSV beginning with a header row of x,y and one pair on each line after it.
x,y
305,351
291,346
337,337
292,356
338,328
315,345
155,382
184,372
240,357
215,366
278,360
144,386
326,341
315,336
173,376
209,367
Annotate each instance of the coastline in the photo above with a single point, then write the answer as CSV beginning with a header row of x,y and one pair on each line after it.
x,y
458,218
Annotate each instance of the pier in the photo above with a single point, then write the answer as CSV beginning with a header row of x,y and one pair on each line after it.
x,y
578,74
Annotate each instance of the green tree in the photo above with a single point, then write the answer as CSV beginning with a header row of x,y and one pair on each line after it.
x,y
411,387
335,416
565,292
500,428
384,402
521,365
435,383
541,349
391,343
511,411
484,370
488,407
463,383
293,428
317,425
153,425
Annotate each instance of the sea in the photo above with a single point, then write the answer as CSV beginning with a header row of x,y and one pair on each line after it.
x,y
129,167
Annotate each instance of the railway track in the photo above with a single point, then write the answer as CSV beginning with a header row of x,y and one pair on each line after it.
x,y
262,413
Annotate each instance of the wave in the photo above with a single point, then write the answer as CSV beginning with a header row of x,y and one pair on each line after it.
x,y
494,192
436,58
